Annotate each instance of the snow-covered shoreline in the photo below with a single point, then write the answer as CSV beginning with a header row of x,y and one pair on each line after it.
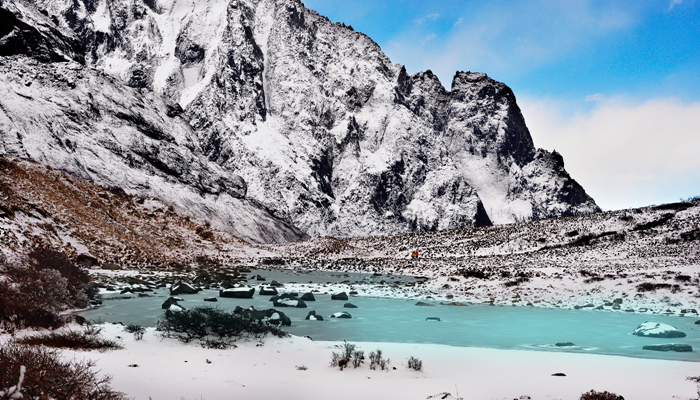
x,y
168,369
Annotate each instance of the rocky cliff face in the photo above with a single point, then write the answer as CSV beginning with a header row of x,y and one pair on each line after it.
x,y
90,124
327,133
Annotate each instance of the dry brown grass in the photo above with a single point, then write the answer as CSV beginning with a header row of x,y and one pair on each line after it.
x,y
114,226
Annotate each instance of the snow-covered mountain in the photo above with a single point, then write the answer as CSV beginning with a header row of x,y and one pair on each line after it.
x,y
325,132
90,124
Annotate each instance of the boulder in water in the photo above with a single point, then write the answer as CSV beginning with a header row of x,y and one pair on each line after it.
x,y
341,314
312,316
308,297
183,288
433,319
171,300
349,305
657,330
268,291
339,296
289,303
238,293
669,347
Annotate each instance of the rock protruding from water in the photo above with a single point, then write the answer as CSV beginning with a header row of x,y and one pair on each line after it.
x,y
308,297
339,296
171,301
268,291
211,299
312,316
657,330
669,347
349,305
183,288
341,314
271,315
565,344
433,319
238,293
424,304
294,302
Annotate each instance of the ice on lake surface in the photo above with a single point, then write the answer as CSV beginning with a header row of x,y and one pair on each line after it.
x,y
477,325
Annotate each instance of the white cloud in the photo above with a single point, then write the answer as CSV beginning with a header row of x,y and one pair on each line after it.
x,y
428,38
674,3
595,97
624,155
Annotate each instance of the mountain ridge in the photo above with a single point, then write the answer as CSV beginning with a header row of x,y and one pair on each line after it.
x,y
326,133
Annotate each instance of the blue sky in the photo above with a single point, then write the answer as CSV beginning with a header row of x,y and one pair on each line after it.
x,y
612,85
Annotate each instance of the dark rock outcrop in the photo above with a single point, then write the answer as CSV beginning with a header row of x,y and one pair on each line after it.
x,y
238,293
669,347
339,296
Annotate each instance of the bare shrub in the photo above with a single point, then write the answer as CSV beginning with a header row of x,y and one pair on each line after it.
x,y
301,367
415,364
136,330
347,356
376,360
593,395
49,377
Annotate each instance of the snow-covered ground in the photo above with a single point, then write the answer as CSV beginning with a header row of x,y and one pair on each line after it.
x,y
168,369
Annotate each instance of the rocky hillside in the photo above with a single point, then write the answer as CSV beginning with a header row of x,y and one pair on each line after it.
x,y
43,207
641,260
327,134
61,113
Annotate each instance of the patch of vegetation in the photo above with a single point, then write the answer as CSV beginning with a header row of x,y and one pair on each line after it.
x,y
73,340
653,224
47,376
674,206
377,360
415,364
214,326
472,272
652,287
593,395
35,290
348,355
136,330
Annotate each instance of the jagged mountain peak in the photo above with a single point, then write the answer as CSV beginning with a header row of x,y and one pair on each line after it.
x,y
326,132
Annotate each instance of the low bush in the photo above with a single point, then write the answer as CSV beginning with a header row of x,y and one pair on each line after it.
x,y
348,355
652,287
593,395
474,273
49,377
415,364
376,360
73,340
136,330
34,291
214,325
